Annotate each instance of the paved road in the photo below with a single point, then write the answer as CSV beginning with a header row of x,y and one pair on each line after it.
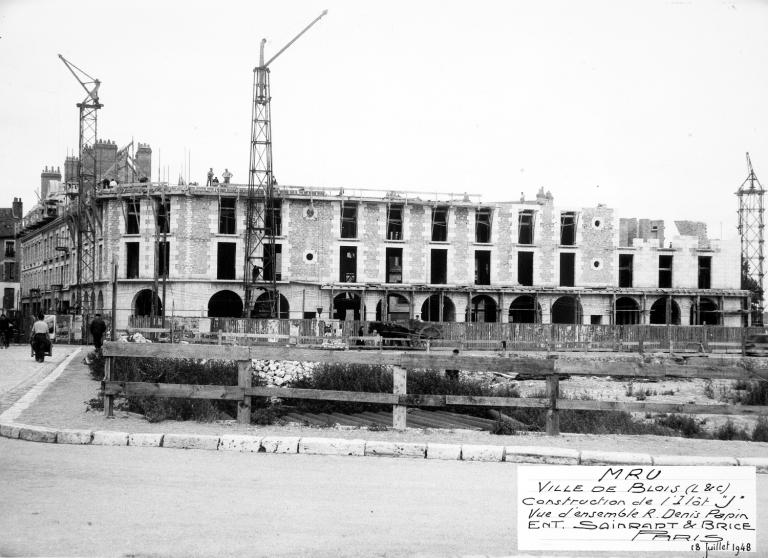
x,y
96,500
19,371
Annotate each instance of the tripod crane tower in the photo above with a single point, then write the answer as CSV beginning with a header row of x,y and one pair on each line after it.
x,y
86,219
259,271
751,226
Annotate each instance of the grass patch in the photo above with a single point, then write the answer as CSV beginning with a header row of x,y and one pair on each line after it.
x,y
686,425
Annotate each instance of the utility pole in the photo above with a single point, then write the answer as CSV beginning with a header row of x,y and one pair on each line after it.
x,y
260,250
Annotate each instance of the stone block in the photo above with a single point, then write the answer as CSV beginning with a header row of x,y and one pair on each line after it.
x,y
760,463
395,449
713,461
37,434
232,442
191,441
74,436
541,454
470,452
109,438
331,446
280,444
145,439
443,451
10,430
614,458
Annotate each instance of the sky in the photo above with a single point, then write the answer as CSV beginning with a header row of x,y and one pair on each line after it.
x,y
646,106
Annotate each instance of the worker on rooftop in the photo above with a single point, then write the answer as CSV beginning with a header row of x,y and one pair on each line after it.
x,y
226,176
210,177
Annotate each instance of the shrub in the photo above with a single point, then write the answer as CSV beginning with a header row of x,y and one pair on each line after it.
x,y
760,432
753,393
688,426
729,431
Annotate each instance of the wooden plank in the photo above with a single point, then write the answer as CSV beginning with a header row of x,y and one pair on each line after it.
x,y
553,417
109,400
636,369
483,401
244,381
399,388
165,350
646,407
414,400
323,395
188,391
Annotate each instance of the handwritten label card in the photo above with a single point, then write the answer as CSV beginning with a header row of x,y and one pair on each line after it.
x,y
641,508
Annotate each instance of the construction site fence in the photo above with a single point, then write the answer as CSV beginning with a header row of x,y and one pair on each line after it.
x,y
461,335
63,328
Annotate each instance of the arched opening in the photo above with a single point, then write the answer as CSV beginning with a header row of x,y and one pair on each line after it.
x,y
430,310
225,304
398,309
263,307
524,310
566,310
708,312
627,311
348,306
142,305
658,315
482,309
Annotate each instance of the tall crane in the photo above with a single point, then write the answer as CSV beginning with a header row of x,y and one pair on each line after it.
x,y
751,231
260,253
84,223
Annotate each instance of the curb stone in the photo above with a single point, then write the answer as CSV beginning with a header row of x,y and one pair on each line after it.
x,y
280,444
69,436
693,460
760,463
380,448
541,454
243,443
471,452
109,438
10,430
191,441
145,439
443,451
331,446
614,458
37,434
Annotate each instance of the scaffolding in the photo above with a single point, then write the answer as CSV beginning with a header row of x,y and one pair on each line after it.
x,y
751,225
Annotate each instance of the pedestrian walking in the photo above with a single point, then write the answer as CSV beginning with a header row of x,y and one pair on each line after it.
x,y
98,327
5,330
40,340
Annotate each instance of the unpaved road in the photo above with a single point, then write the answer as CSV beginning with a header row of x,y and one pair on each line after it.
x,y
59,500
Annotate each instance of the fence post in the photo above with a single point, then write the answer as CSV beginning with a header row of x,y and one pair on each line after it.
x,y
553,416
399,382
109,400
219,337
706,339
641,339
244,380
743,341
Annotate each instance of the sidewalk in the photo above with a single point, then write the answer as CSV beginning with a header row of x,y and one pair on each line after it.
x,y
63,405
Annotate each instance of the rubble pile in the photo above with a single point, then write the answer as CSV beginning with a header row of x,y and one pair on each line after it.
x,y
279,372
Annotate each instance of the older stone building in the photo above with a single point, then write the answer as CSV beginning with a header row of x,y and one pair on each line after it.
x,y
393,255
10,218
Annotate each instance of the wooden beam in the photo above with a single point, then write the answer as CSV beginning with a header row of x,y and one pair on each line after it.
x,y
399,412
681,408
553,417
188,391
244,381
323,395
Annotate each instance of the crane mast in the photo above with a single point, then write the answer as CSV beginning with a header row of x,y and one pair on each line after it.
x,y
259,270
84,223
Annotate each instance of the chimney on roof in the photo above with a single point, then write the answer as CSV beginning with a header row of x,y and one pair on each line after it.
x,y
46,178
17,209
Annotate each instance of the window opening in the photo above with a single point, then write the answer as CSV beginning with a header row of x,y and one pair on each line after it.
x,y
273,262
483,224
273,218
164,216
394,270
525,268
394,222
567,269
482,267
132,260
525,224
227,215
440,223
568,228
665,272
348,264
626,264
705,272
439,266
133,217
225,260
348,219
164,259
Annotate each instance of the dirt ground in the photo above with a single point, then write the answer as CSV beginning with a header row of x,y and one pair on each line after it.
x,y
64,405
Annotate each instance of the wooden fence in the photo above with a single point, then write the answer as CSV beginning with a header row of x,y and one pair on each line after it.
x,y
550,369
463,335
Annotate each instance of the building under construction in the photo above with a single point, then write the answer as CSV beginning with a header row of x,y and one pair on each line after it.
x,y
372,255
